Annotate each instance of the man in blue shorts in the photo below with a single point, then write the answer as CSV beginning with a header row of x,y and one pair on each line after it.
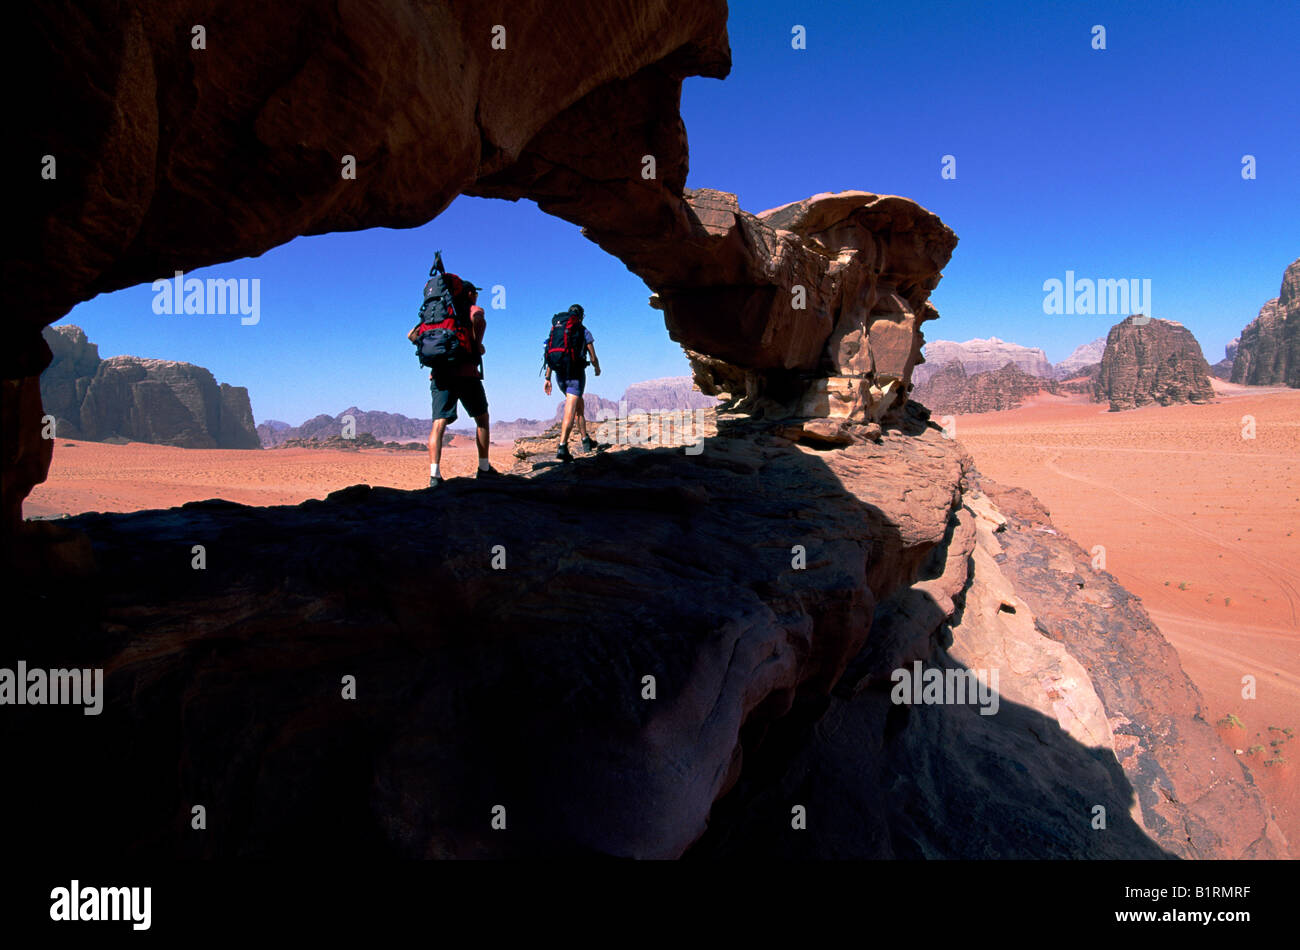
x,y
573,389
464,384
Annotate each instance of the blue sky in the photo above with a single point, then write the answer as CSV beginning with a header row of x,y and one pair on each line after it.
x,y
1115,163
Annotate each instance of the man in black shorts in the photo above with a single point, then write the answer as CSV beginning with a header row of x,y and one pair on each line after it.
x,y
463,384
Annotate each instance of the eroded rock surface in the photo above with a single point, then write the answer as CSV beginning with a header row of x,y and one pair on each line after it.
x,y
1268,351
1094,711
142,400
952,390
1154,362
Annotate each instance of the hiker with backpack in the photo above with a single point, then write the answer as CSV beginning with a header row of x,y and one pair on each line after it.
x,y
566,349
449,341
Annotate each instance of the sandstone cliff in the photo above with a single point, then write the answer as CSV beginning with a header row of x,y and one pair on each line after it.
x,y
1268,350
981,356
142,400
951,390
1156,362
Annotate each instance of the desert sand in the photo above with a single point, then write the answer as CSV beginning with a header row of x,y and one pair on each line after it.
x,y
1202,524
99,476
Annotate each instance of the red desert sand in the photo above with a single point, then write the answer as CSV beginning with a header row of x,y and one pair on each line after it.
x,y
98,476
1201,523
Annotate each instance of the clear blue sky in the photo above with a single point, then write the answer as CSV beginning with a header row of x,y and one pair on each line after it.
x,y
1117,163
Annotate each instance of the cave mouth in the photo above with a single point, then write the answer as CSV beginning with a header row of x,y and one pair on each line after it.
x,y
258,163
326,360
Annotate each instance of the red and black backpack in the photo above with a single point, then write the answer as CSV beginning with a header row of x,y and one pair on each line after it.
x,y
565,346
444,337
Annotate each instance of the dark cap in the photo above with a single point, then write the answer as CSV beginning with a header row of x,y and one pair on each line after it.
x,y
468,287
576,309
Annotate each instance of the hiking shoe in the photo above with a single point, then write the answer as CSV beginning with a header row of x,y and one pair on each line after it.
x,y
562,453
486,473
434,481
591,445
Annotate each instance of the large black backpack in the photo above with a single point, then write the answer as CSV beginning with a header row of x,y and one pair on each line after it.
x,y
444,337
566,345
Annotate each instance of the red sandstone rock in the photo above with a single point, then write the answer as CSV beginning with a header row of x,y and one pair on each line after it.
x,y
951,390
1268,351
1155,362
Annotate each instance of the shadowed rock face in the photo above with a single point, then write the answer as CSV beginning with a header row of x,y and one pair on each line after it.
x,y
142,400
527,686
1156,362
1268,351
65,381
1094,711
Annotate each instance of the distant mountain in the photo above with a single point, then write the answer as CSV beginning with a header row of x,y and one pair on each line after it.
x,y
980,356
384,426
270,432
592,404
668,393
130,398
1223,368
1078,362
951,390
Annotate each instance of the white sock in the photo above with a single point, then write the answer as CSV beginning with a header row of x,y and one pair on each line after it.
x,y
483,465
433,470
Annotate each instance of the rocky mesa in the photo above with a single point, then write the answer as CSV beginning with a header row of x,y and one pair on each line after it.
x,y
1151,361
980,356
142,400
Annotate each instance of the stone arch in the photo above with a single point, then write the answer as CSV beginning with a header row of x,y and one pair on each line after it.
x,y
246,137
